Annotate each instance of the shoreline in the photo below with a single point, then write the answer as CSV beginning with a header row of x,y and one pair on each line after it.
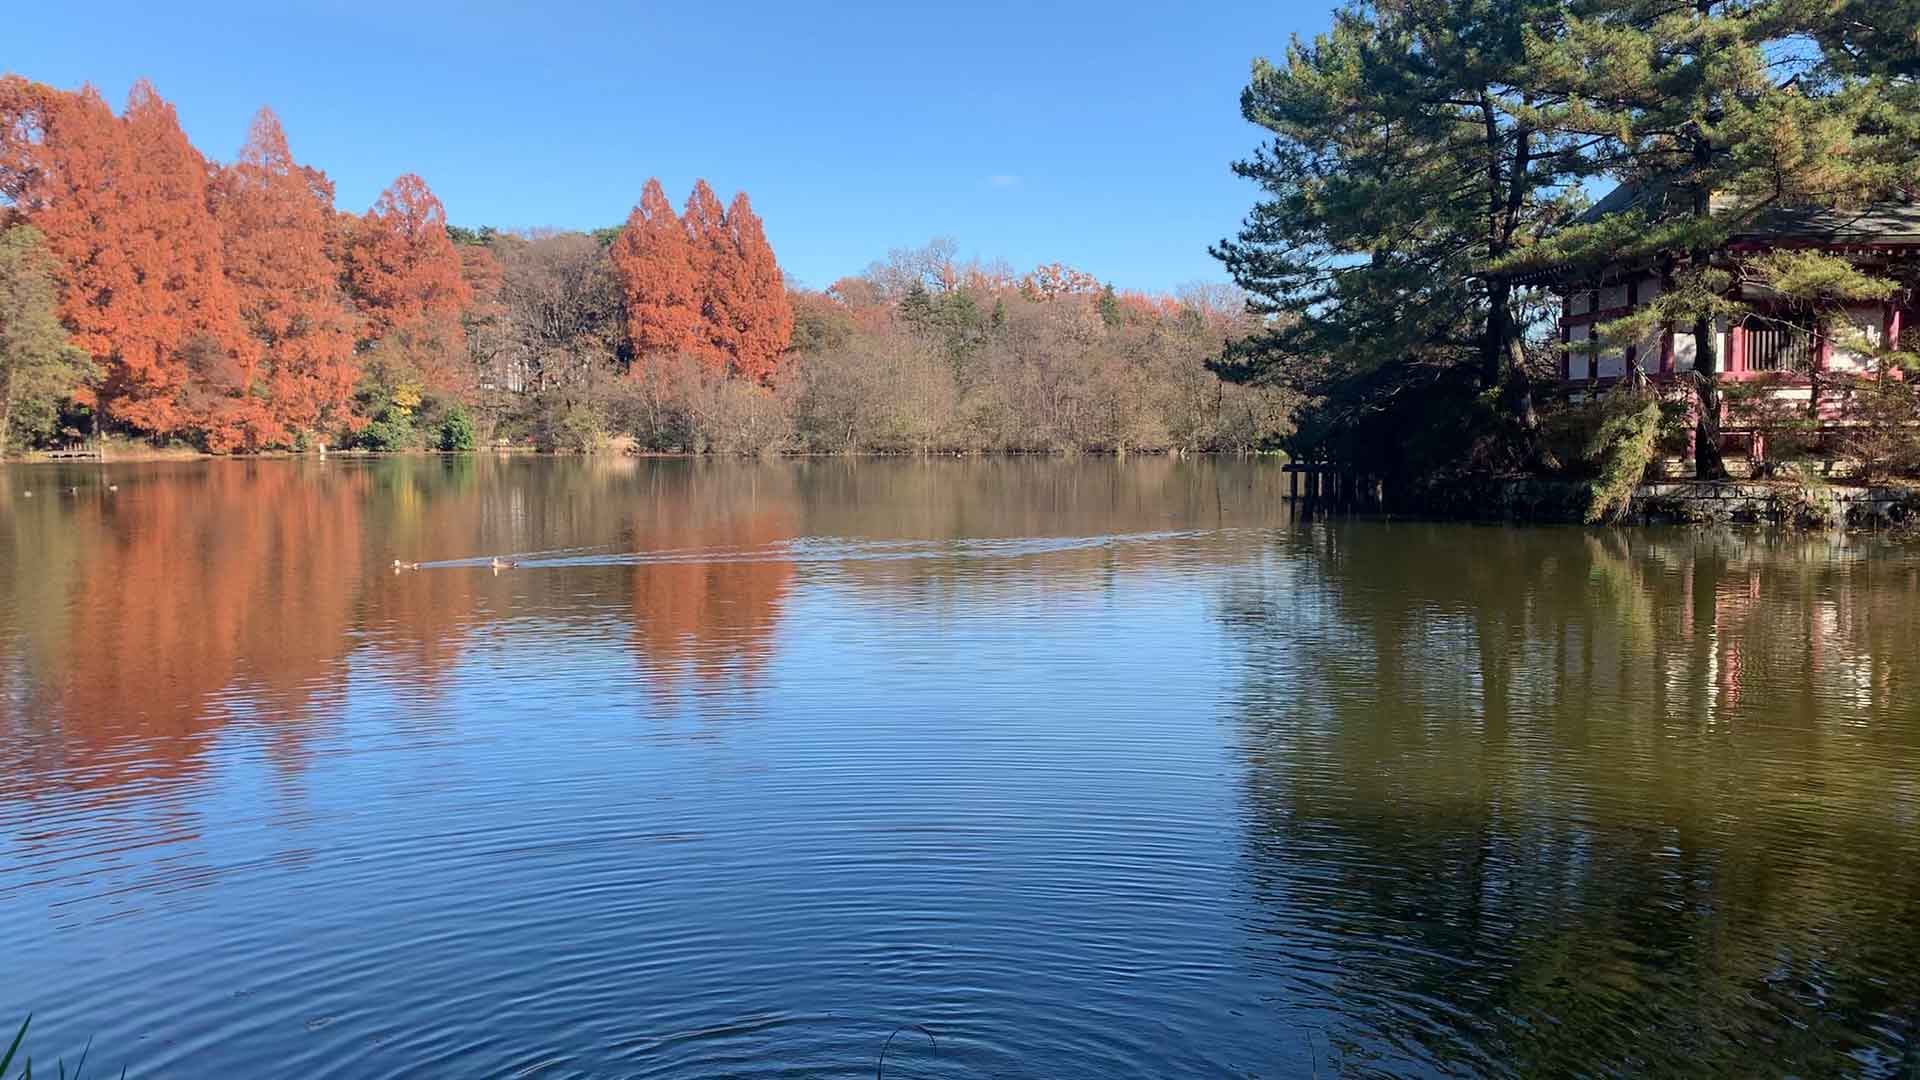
x,y
1790,504
137,455
1799,505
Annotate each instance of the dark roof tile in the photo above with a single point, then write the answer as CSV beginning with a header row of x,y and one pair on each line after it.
x,y
1887,222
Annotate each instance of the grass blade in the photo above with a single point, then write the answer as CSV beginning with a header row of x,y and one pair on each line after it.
x,y
7,1058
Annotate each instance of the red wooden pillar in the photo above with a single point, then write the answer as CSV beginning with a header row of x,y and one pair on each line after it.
x,y
1666,350
1737,346
1890,326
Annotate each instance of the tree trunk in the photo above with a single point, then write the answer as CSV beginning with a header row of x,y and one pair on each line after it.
x,y
6,413
1707,461
1708,464
1493,349
1494,354
1503,357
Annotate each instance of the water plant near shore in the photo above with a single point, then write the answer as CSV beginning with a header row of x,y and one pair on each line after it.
x,y
26,1064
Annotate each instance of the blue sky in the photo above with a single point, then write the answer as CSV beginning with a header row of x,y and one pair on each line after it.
x,y
1097,135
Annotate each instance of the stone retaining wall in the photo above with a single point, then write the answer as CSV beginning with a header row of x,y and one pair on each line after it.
x,y
1789,503
1776,502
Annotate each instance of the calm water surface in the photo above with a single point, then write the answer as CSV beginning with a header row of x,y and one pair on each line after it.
x,y
1094,769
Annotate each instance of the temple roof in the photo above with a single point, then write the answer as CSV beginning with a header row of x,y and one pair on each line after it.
x,y
1878,223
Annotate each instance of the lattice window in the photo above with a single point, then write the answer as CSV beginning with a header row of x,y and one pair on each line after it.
x,y
1779,346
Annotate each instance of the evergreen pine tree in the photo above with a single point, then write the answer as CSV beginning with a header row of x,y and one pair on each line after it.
x,y
1403,163
1708,111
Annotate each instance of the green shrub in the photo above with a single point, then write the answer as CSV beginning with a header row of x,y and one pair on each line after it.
x,y
1622,446
570,426
387,434
457,432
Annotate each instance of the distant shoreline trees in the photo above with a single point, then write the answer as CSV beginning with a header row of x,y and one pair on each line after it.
x,y
233,307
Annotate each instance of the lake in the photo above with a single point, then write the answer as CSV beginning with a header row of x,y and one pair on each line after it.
x,y
1089,768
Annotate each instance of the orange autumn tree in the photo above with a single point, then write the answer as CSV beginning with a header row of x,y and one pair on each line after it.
x,y
756,310
180,342
275,218
704,284
715,266
653,258
122,204
405,276
489,337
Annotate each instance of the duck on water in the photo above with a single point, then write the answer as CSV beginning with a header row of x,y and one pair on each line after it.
x,y
496,564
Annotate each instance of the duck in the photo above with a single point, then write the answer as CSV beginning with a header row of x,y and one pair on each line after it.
x,y
499,563
113,487
399,566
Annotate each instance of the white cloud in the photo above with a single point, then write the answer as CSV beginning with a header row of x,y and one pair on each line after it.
x,y
1003,180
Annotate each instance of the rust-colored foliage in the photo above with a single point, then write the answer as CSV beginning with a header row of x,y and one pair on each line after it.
x,y
276,218
405,276
183,321
706,222
400,261
754,306
704,284
1147,307
123,206
483,275
653,257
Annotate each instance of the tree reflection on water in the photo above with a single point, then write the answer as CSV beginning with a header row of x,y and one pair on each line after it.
x,y
1541,802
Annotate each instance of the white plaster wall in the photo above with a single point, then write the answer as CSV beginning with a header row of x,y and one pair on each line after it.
x,y
1613,296
1576,356
1577,303
1683,352
1683,348
1867,321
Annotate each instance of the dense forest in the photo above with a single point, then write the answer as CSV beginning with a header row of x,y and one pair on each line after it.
x,y
148,292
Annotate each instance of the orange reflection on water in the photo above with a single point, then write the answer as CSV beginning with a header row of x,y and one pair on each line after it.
x,y
713,601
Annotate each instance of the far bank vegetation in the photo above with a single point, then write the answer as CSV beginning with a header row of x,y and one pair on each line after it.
x,y
154,295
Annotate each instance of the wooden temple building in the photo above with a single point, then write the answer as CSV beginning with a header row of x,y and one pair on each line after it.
x,y
1788,348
